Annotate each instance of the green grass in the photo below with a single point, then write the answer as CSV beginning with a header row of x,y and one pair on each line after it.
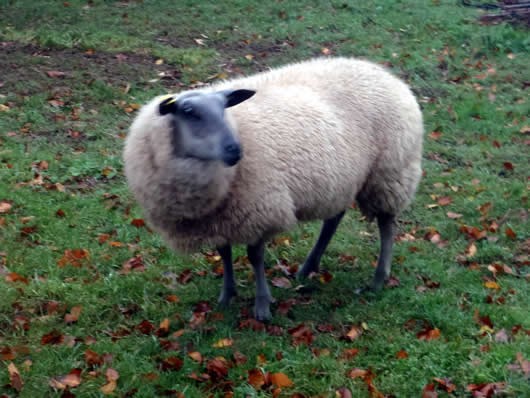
x,y
472,82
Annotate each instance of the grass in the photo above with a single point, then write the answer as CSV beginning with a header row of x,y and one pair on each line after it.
x,y
472,82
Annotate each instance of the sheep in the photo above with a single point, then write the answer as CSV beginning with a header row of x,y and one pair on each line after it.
x,y
242,160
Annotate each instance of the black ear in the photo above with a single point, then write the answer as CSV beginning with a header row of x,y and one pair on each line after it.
x,y
169,105
234,97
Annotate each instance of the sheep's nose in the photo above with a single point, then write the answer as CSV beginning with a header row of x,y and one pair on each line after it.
x,y
232,154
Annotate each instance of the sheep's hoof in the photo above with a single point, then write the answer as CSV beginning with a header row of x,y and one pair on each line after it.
x,y
226,297
262,310
305,271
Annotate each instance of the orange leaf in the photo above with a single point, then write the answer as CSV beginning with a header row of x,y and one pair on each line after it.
x,y
402,354
429,334
256,378
108,388
14,277
510,233
280,380
492,285
435,135
196,356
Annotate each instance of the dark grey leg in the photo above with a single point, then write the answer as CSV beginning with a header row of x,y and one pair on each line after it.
x,y
313,260
229,282
386,233
256,254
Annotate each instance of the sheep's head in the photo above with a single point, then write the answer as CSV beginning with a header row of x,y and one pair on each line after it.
x,y
200,129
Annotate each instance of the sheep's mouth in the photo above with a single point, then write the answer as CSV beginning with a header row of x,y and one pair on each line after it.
x,y
232,159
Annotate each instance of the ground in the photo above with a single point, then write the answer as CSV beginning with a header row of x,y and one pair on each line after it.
x,y
93,303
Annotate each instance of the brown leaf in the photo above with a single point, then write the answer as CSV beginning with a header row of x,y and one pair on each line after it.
x,y
435,135
282,282
444,200
5,207
429,391
301,334
445,384
171,364
112,374
7,354
185,276
280,380
471,250
92,358
453,216
217,368
349,353
70,380
256,378
138,223
73,257
60,213
510,233
486,389
54,337
14,377
428,334
239,358
145,327
354,333
55,73
508,166
135,264
73,316
402,354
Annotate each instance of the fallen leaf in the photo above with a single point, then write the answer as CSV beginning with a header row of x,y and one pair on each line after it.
x,y
55,73
444,200
471,250
508,166
501,336
73,257
428,334
73,316
217,368
342,392
486,389
302,334
453,216
435,135
138,223
429,391
445,384
108,388
196,356
70,380
54,337
280,380
5,207
354,333
402,354
492,285
282,282
14,377
14,277
222,343
355,373
92,358
256,378
510,233
171,364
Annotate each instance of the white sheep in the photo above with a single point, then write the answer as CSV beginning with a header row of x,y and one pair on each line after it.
x,y
304,142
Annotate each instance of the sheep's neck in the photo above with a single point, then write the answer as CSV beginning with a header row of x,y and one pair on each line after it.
x,y
201,188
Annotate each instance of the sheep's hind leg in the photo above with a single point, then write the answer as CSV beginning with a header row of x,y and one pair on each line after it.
x,y
312,262
386,226
229,283
256,254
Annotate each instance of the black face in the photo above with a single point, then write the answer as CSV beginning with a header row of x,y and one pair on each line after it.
x,y
200,128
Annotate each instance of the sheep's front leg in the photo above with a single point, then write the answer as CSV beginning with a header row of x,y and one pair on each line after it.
x,y
229,283
312,262
385,223
256,254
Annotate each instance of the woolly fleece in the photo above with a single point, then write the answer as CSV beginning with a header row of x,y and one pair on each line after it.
x,y
316,136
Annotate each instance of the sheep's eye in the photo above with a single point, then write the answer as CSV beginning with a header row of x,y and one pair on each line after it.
x,y
190,112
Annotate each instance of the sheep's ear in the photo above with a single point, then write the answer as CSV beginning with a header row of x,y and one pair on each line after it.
x,y
234,97
169,105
